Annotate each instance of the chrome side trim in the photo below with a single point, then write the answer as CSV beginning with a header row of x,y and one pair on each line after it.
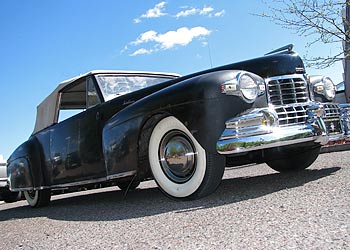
x,y
81,183
121,175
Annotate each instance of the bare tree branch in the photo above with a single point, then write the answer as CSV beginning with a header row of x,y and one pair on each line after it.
x,y
320,20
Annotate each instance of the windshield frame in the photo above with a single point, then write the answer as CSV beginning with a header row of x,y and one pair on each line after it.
x,y
107,97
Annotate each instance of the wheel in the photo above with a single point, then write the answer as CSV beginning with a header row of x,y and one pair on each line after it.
x,y
295,161
38,198
10,197
179,164
127,185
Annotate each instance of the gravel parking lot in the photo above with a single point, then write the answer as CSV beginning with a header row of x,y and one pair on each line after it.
x,y
254,208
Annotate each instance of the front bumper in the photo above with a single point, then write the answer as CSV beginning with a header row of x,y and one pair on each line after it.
x,y
260,129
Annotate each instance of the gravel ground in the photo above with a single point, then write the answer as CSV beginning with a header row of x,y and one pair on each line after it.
x,y
254,208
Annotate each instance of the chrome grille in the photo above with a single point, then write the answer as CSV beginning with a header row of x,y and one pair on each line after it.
x,y
331,118
290,115
287,89
331,111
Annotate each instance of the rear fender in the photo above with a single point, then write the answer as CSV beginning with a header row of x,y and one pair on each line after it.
x,y
25,166
20,176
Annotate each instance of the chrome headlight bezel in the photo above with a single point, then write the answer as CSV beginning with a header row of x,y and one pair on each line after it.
x,y
246,85
325,87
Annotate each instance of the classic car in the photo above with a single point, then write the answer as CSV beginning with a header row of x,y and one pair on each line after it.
x,y
5,193
181,131
325,91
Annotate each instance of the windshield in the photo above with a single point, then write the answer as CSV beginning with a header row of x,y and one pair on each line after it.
x,y
115,85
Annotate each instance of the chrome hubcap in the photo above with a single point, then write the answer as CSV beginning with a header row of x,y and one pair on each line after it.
x,y
31,194
177,156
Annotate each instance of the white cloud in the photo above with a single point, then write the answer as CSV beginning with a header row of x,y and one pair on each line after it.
x,y
187,12
141,51
181,36
220,13
145,37
205,11
137,20
159,10
156,11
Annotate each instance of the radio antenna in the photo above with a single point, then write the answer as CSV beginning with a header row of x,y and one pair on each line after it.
x,y
209,52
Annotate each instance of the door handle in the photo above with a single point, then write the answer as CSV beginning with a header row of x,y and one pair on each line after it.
x,y
57,159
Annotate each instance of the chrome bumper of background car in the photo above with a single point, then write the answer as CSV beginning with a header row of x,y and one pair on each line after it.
x,y
260,129
343,138
3,182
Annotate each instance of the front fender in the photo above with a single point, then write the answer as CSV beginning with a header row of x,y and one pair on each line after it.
x,y
197,102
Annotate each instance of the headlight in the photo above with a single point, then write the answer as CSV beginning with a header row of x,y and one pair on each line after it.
x,y
325,87
329,88
248,86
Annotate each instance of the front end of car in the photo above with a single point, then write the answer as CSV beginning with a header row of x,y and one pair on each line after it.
x,y
290,118
298,112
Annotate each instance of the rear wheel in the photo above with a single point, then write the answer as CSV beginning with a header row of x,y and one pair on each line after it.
x,y
295,161
38,198
180,166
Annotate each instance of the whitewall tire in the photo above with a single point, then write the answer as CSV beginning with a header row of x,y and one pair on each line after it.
x,y
179,163
38,198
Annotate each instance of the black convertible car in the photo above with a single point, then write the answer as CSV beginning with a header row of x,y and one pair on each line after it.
x,y
127,127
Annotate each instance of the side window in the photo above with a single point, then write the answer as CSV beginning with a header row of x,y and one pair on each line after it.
x,y
72,100
64,114
91,94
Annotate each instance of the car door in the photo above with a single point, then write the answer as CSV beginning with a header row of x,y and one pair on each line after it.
x,y
75,143
91,135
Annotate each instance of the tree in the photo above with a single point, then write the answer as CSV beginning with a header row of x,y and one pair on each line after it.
x,y
320,20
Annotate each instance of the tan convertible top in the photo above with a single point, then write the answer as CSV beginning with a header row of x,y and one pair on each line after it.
x,y
47,110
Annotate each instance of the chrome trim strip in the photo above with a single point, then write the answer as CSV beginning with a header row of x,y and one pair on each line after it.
x,y
81,183
121,175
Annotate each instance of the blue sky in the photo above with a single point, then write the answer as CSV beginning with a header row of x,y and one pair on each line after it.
x,y
45,42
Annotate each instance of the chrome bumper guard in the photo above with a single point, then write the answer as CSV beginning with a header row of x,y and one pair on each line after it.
x,y
259,129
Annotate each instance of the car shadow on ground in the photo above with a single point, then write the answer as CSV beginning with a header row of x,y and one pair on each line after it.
x,y
111,205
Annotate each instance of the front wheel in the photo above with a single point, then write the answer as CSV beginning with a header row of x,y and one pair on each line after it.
x,y
38,198
180,166
295,161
